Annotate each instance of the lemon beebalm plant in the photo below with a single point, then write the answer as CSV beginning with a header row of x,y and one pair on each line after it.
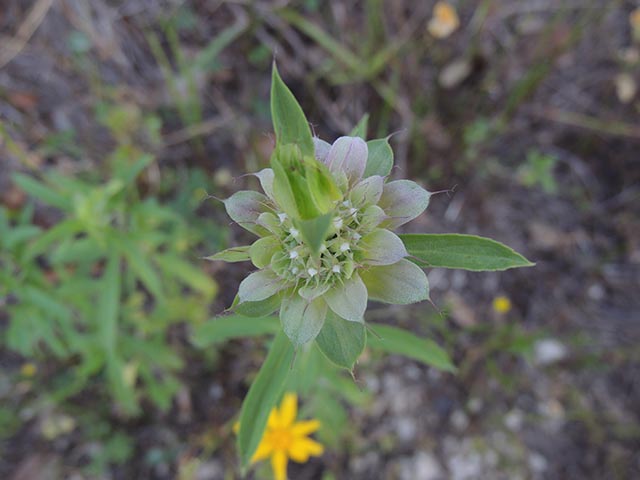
x,y
326,246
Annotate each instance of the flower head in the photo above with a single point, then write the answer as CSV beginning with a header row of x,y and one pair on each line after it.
x,y
355,255
285,439
502,304
445,20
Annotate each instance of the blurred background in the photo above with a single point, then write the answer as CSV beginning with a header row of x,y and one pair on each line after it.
x,y
117,119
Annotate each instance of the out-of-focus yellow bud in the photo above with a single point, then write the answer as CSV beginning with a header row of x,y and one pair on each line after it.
x,y
28,370
501,304
445,20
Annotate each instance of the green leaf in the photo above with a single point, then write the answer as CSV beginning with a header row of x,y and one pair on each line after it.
x,y
380,161
141,266
188,273
109,305
341,341
218,330
42,192
63,230
314,231
360,130
401,342
260,308
231,255
467,252
262,396
131,172
289,121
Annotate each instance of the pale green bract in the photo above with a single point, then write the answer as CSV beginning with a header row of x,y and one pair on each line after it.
x,y
358,258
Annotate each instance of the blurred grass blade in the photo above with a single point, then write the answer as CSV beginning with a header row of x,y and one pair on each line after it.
x,y
339,52
263,396
467,252
219,330
401,342
205,59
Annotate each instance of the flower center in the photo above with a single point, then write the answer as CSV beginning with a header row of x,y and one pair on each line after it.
x,y
280,439
335,260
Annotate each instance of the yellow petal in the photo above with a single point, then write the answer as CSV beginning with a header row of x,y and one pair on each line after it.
x,y
279,465
288,409
263,451
302,448
300,429
274,419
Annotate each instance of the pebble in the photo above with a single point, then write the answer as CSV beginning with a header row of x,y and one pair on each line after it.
x,y
549,351
423,466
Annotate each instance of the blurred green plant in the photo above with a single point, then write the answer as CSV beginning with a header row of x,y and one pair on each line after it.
x,y
184,74
538,170
100,289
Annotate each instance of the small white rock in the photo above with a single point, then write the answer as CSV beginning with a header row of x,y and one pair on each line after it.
x,y
514,420
549,351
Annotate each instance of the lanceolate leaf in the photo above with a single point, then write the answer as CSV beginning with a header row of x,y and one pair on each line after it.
x,y
289,122
263,395
341,341
380,161
467,252
42,192
401,342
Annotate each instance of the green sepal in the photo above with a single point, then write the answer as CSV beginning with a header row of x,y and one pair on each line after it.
x,y
380,160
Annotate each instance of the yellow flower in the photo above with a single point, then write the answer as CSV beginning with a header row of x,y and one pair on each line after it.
x,y
445,20
501,304
28,370
285,439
